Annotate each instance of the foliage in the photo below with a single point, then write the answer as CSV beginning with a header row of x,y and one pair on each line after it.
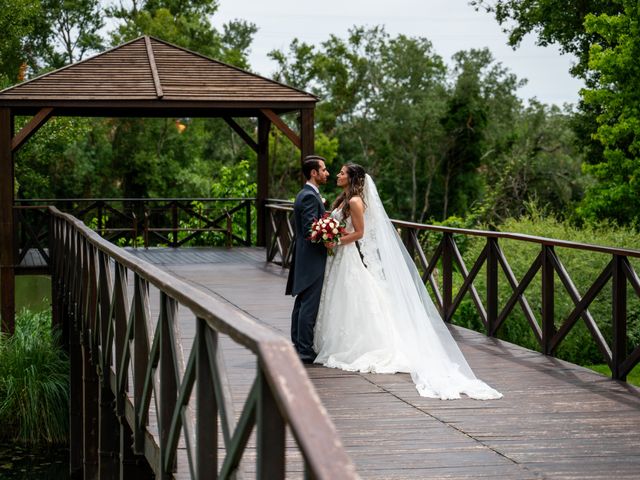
x,y
553,22
616,97
605,38
34,386
233,182
17,23
537,162
433,136
583,268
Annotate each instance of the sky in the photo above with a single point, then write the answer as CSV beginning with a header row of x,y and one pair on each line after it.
x,y
451,25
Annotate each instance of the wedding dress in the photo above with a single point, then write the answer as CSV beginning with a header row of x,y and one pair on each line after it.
x,y
376,316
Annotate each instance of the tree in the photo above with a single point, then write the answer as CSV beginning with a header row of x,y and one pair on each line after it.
x,y
185,23
18,20
616,98
73,30
553,22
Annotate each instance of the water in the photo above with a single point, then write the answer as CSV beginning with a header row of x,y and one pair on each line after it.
x,y
18,462
33,292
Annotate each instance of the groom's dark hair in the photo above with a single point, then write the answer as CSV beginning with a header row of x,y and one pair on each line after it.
x,y
311,162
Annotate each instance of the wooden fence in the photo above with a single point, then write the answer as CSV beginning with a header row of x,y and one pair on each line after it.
x,y
550,331
143,377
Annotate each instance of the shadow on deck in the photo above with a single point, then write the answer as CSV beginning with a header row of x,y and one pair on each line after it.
x,y
556,420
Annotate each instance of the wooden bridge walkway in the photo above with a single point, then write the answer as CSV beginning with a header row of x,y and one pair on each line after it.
x,y
556,420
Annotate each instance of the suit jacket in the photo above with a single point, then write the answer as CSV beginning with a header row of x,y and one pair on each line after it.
x,y
308,258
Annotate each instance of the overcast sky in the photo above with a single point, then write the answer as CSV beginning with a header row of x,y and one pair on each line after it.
x,y
451,25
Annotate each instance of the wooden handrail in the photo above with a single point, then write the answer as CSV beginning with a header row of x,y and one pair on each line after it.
x,y
297,402
547,332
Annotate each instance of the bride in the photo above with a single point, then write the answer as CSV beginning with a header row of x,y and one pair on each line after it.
x,y
375,314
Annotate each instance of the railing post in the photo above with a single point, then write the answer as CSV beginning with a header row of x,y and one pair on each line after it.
x,y
492,285
7,252
76,442
407,239
140,354
619,316
168,383
207,406
174,223
247,220
447,276
271,433
91,412
100,219
548,299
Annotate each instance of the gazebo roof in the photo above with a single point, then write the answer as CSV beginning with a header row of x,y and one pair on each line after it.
x,y
150,77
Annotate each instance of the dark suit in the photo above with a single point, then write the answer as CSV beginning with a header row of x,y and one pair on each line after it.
x,y
306,273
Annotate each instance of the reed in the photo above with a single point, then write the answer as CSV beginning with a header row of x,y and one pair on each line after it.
x,y
34,382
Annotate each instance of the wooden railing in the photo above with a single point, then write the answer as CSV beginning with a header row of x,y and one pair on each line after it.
x,y
171,222
145,380
550,331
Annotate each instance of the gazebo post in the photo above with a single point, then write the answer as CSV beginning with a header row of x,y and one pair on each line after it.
x,y
306,133
264,125
7,271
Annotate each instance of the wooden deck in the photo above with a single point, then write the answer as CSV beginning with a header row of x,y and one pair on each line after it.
x,y
556,420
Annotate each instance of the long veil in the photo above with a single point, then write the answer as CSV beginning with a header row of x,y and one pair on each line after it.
x,y
437,365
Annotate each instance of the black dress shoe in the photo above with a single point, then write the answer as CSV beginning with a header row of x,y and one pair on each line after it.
x,y
307,360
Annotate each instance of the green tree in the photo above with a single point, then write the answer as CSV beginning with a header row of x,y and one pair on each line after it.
x,y
72,30
18,20
616,96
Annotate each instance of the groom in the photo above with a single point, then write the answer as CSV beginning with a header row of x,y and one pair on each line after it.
x,y
306,273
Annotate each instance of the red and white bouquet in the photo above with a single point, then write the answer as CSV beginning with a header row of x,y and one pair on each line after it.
x,y
327,230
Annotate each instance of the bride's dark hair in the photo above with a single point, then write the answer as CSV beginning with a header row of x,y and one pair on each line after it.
x,y
355,188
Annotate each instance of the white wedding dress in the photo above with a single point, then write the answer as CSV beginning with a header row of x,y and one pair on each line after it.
x,y
379,318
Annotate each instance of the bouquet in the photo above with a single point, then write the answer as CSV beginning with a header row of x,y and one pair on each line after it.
x,y
326,230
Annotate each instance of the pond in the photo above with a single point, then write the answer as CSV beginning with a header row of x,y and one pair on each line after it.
x,y
33,292
19,462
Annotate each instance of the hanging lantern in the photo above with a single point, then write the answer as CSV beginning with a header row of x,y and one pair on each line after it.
x,y
181,127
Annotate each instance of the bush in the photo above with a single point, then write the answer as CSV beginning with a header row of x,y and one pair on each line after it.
x,y
34,384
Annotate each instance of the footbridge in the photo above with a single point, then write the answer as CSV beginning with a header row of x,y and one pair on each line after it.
x,y
182,368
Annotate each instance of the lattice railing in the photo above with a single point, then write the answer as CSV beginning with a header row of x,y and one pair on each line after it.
x,y
549,327
171,222
124,315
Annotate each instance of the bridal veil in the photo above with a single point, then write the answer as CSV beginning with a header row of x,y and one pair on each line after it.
x,y
437,365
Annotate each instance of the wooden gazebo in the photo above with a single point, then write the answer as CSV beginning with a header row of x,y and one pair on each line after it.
x,y
145,77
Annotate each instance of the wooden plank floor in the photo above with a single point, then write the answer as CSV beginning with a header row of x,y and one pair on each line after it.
x,y
556,420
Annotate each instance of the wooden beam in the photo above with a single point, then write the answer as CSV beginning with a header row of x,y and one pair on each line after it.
x,y
264,126
7,234
243,134
30,128
283,127
306,133
154,68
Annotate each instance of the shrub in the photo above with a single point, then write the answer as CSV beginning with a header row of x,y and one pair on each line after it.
x,y
34,384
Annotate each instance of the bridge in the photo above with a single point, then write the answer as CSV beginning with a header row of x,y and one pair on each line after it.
x,y
180,363
181,367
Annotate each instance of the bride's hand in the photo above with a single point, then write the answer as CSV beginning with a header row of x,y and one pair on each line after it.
x,y
331,245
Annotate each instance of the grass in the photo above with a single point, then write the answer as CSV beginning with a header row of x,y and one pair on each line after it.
x,y
34,385
633,378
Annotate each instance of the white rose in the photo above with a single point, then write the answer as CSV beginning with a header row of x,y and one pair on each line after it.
x,y
325,236
335,230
